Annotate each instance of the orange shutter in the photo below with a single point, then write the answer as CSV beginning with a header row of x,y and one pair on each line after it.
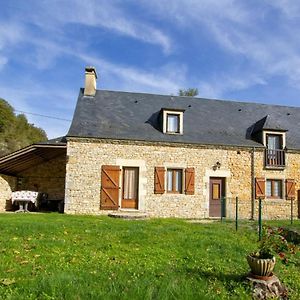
x,y
159,180
290,189
190,181
110,178
259,188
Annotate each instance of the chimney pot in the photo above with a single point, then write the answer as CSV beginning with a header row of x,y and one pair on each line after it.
x,y
90,81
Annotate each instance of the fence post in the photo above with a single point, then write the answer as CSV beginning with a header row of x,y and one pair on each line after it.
x,y
223,208
236,212
292,204
259,220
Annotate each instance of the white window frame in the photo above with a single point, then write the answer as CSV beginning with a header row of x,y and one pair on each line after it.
x,y
167,112
282,134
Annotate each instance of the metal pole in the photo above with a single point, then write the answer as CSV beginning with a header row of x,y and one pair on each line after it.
x,y
259,220
236,212
292,203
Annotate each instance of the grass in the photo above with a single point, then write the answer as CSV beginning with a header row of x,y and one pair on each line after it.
x,y
53,256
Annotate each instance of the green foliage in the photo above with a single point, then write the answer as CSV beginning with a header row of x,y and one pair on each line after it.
x,y
190,92
53,256
15,131
275,243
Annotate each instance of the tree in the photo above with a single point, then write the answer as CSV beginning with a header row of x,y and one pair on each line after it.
x,y
190,92
15,131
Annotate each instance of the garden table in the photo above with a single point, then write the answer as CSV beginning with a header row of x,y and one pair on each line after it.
x,y
23,198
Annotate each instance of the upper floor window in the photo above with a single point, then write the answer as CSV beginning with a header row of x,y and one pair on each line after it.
x,y
274,141
172,121
274,152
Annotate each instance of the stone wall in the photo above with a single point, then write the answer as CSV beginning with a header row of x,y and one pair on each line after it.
x,y
47,177
85,158
7,185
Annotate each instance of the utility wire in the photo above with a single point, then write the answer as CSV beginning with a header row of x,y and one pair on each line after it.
x,y
44,116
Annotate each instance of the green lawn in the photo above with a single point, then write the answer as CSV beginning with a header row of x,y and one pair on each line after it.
x,y
53,256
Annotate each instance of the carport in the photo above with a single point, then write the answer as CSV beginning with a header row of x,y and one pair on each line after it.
x,y
39,167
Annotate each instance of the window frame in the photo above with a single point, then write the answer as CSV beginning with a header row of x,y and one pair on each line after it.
x,y
173,190
272,196
175,112
281,134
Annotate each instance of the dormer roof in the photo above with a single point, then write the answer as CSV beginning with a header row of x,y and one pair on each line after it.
x,y
268,123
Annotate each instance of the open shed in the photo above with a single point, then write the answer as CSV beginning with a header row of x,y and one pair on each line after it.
x,y
39,167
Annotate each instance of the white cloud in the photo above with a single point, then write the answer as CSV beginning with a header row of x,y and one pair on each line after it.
x,y
159,80
98,14
243,29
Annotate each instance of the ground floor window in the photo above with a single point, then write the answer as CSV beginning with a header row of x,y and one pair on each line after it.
x,y
174,181
274,188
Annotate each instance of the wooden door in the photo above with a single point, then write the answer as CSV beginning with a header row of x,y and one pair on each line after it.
x,y
130,187
110,187
217,191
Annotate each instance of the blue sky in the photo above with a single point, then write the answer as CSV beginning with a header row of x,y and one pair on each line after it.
x,y
240,50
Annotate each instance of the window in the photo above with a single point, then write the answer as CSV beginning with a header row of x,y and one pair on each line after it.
x,y
274,188
274,142
173,123
174,181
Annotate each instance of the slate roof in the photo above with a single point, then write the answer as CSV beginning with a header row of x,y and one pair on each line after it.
x,y
135,116
267,123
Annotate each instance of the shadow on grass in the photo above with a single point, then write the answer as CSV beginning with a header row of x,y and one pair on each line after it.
x,y
238,278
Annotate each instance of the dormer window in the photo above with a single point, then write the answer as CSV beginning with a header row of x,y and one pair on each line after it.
x,y
274,141
273,136
172,121
274,153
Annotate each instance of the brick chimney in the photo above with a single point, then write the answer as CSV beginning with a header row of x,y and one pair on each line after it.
x,y
90,81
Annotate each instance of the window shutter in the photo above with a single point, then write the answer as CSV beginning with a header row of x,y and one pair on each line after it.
x,y
110,178
259,188
290,189
190,181
159,180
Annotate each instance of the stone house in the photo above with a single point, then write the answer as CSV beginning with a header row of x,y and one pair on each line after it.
x,y
166,156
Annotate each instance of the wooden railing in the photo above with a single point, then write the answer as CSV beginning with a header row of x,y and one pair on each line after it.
x,y
275,158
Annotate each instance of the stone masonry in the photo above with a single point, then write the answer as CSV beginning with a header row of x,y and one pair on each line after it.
x,y
47,177
7,185
85,158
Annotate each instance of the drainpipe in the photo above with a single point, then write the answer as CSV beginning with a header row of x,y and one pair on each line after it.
x,y
253,183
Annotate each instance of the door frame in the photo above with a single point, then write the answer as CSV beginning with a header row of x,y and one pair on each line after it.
x,y
222,181
136,205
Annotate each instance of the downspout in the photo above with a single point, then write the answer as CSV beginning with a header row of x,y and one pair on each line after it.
x,y
252,183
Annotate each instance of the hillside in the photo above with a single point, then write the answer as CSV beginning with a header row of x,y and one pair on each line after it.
x,y
15,131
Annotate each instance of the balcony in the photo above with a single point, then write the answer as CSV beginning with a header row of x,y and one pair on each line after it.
x,y
274,159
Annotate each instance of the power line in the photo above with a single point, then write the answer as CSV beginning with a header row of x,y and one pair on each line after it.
x,y
44,116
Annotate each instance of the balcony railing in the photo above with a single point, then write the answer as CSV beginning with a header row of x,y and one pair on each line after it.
x,y
274,158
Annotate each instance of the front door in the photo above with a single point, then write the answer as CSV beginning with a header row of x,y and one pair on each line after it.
x,y
130,188
217,191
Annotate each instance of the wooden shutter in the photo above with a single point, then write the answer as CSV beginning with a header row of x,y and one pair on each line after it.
x,y
290,189
110,178
260,188
190,181
159,180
